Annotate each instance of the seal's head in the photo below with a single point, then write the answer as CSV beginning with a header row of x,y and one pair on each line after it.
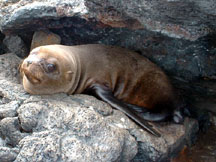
x,y
47,70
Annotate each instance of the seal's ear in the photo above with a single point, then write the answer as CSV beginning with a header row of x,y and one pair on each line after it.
x,y
68,75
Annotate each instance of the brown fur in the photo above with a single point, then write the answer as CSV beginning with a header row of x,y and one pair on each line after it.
x,y
131,77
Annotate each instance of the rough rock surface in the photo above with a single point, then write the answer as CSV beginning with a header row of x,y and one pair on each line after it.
x,y
75,128
178,35
16,45
188,19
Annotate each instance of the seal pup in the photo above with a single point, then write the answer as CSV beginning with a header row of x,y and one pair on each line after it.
x,y
124,79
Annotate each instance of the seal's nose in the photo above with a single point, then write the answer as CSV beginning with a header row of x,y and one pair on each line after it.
x,y
31,59
28,62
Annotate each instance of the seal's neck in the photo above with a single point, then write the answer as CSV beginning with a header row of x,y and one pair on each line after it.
x,y
76,69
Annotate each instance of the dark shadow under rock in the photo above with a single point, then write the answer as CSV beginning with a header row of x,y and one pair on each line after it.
x,y
2,46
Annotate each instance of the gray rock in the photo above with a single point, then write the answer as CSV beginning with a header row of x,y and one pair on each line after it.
x,y
179,19
34,10
9,110
167,146
66,131
78,128
16,45
10,130
12,73
2,142
8,154
11,89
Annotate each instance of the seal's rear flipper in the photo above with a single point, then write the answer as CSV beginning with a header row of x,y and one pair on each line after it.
x,y
149,115
176,115
106,95
180,112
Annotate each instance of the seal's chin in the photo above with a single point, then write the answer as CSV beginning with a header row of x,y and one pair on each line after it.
x,y
30,77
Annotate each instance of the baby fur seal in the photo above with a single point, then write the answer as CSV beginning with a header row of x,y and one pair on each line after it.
x,y
124,79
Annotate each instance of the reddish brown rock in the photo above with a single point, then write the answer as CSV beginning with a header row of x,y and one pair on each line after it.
x,y
44,38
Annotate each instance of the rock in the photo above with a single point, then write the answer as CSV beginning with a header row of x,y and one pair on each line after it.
x,y
67,132
9,110
10,130
206,104
179,19
78,127
41,38
167,146
12,73
8,154
2,142
23,11
213,119
16,45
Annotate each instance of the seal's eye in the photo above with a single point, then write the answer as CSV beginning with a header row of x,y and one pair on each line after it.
x,y
51,68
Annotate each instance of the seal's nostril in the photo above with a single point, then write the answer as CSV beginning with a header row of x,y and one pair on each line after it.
x,y
28,63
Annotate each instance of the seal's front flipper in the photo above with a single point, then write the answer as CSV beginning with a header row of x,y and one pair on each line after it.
x,y
106,95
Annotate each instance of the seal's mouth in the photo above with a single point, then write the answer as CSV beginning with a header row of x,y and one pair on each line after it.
x,y
33,79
